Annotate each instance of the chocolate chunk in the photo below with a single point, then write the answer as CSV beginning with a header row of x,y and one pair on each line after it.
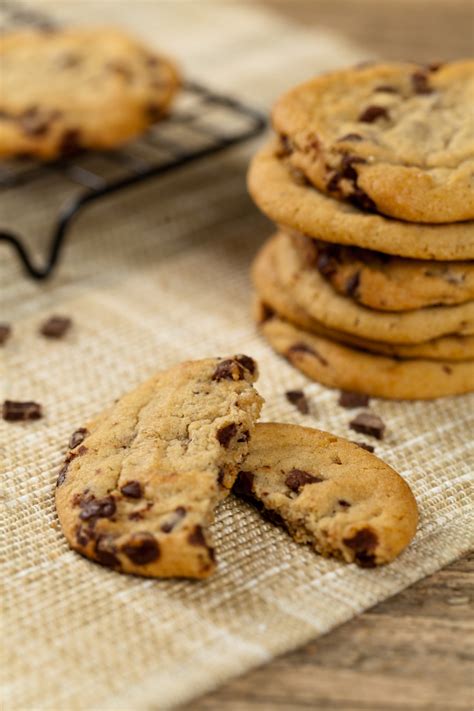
x,y
345,504
226,433
447,369
70,143
298,399
364,445
350,399
372,113
142,548
62,474
178,514
83,535
78,437
347,166
361,200
387,89
132,489
105,551
297,478
5,333
247,362
196,537
333,183
93,508
363,543
303,348
420,83
368,423
351,137
56,326
229,370
352,284
243,485
14,411
326,262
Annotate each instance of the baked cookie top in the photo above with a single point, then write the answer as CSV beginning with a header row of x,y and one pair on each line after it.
x,y
73,89
140,484
312,292
286,197
385,282
329,492
391,138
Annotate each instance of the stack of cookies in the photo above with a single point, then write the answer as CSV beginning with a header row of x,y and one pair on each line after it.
x,y
368,284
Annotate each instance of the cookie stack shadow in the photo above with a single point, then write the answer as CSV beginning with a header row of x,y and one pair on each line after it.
x,y
368,283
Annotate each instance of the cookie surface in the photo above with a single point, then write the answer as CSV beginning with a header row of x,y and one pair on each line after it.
x,y
73,89
290,201
329,493
384,282
340,366
140,484
391,138
312,292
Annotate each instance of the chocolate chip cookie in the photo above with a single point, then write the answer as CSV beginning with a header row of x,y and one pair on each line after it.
x,y
328,493
312,292
340,366
391,138
286,197
381,281
140,483
74,89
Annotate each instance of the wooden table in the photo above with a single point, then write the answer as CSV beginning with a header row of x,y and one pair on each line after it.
x,y
410,652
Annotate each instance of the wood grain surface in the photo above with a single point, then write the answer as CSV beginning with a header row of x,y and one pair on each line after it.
x,y
415,651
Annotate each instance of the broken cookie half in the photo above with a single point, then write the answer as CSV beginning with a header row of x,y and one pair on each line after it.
x,y
140,484
329,493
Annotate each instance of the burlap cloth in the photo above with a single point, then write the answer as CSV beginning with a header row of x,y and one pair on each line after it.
x,y
151,278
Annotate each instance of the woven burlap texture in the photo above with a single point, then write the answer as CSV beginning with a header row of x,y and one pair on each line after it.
x,y
155,276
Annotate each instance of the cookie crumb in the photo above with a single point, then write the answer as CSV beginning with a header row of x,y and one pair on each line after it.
x,y
14,411
299,400
349,399
368,423
55,326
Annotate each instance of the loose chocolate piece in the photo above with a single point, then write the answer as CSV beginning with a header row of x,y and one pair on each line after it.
x,y
225,434
132,489
363,543
372,113
297,478
14,411
78,437
350,399
298,399
420,83
177,515
364,445
93,508
243,485
229,370
368,423
142,548
55,326
5,333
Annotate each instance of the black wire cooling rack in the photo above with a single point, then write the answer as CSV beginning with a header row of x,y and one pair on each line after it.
x,y
201,123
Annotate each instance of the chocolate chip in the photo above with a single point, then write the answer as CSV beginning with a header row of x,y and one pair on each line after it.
x,y
350,399
434,66
352,284
387,89
105,551
93,508
364,445
244,437
14,411
351,137
298,399
121,69
229,370
243,485
62,474
297,478
225,434
303,348
368,423
196,537
265,313
220,477
284,148
326,262
55,326
132,489
447,369
83,535
5,333
142,548
274,517
333,183
342,502
78,437
361,200
178,514
154,112
372,113
420,84
67,60
247,362
363,543
70,143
